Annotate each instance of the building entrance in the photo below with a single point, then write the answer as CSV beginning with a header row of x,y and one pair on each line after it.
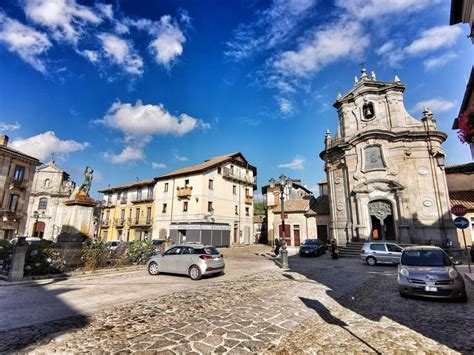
x,y
381,218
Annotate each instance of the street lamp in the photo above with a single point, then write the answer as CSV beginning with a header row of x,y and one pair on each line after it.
x,y
283,182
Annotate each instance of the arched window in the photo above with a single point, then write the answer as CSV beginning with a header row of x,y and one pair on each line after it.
x,y
368,111
43,203
47,183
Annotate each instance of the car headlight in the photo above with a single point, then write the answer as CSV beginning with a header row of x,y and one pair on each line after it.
x,y
452,273
404,272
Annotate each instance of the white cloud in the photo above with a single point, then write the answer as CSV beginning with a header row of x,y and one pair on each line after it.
x,y
168,44
436,62
65,18
128,154
286,106
436,105
92,56
147,120
273,26
296,164
43,145
9,126
181,158
391,52
122,53
370,9
324,46
25,41
434,38
158,165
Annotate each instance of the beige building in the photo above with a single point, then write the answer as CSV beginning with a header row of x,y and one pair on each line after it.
x,y
46,209
211,202
306,217
460,180
385,169
16,176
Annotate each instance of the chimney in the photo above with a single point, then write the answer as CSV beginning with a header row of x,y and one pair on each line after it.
x,y
3,140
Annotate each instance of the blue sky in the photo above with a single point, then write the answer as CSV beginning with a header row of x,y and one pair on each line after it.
x,y
138,88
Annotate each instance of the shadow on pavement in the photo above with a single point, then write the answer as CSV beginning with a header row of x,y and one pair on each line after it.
x,y
326,315
23,310
372,292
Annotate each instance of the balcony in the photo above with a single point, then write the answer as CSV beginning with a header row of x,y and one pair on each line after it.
x,y
119,222
105,223
248,200
139,199
19,184
184,192
108,204
141,222
123,201
228,174
9,215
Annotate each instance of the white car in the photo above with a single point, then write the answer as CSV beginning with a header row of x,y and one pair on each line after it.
x,y
194,260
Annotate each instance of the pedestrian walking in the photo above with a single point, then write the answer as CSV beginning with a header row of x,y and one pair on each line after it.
x,y
277,246
334,251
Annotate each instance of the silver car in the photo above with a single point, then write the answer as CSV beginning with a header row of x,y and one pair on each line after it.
x,y
427,271
193,260
381,252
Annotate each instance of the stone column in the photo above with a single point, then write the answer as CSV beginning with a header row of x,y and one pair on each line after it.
x,y
18,263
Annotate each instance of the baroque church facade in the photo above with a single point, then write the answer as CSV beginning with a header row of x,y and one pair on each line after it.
x,y
385,169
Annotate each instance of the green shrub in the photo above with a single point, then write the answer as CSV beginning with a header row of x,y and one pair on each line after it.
x,y
5,245
96,255
140,251
43,258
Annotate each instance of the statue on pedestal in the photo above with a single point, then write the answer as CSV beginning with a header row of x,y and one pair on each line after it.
x,y
86,185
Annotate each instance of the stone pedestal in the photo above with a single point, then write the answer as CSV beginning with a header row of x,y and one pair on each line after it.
x,y
18,263
80,216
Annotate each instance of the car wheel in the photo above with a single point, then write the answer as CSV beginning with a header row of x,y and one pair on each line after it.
x,y
463,299
403,295
371,261
153,268
195,273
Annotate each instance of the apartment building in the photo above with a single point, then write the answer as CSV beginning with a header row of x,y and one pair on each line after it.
x,y
16,175
211,202
127,211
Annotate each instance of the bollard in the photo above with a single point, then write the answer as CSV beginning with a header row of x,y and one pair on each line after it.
x,y
17,266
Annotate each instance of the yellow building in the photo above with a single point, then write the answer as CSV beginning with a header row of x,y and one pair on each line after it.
x,y
127,212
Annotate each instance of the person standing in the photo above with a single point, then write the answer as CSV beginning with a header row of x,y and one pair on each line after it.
x,y
277,246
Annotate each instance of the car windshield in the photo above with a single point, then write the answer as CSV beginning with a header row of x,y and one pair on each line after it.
x,y
208,251
311,242
157,242
425,258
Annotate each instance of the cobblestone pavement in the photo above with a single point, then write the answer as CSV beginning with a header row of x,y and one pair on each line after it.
x,y
319,305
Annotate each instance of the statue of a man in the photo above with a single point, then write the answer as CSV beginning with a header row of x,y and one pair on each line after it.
x,y
86,185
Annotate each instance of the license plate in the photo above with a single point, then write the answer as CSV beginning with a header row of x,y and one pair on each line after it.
x,y
431,289
306,251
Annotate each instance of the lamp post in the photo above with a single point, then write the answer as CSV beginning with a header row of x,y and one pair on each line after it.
x,y
283,182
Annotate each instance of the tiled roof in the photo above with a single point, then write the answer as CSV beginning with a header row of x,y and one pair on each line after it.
x,y
460,168
129,185
294,205
319,205
202,166
465,198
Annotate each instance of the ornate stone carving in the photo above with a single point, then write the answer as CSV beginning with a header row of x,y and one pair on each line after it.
x,y
380,209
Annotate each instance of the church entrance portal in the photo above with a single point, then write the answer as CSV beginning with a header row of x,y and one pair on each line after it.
x,y
381,217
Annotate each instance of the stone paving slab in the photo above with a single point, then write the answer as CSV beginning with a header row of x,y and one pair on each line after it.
x,y
317,309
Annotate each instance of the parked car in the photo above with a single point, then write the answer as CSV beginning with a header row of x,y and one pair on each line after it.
x,y
30,240
313,247
381,252
427,271
113,244
193,260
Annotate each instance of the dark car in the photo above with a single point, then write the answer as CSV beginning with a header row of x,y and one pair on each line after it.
x,y
159,244
313,247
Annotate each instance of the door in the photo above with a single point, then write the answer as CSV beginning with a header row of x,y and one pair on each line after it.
x,y
236,231
39,230
185,260
169,261
287,233
394,252
296,235
381,218
379,252
322,232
